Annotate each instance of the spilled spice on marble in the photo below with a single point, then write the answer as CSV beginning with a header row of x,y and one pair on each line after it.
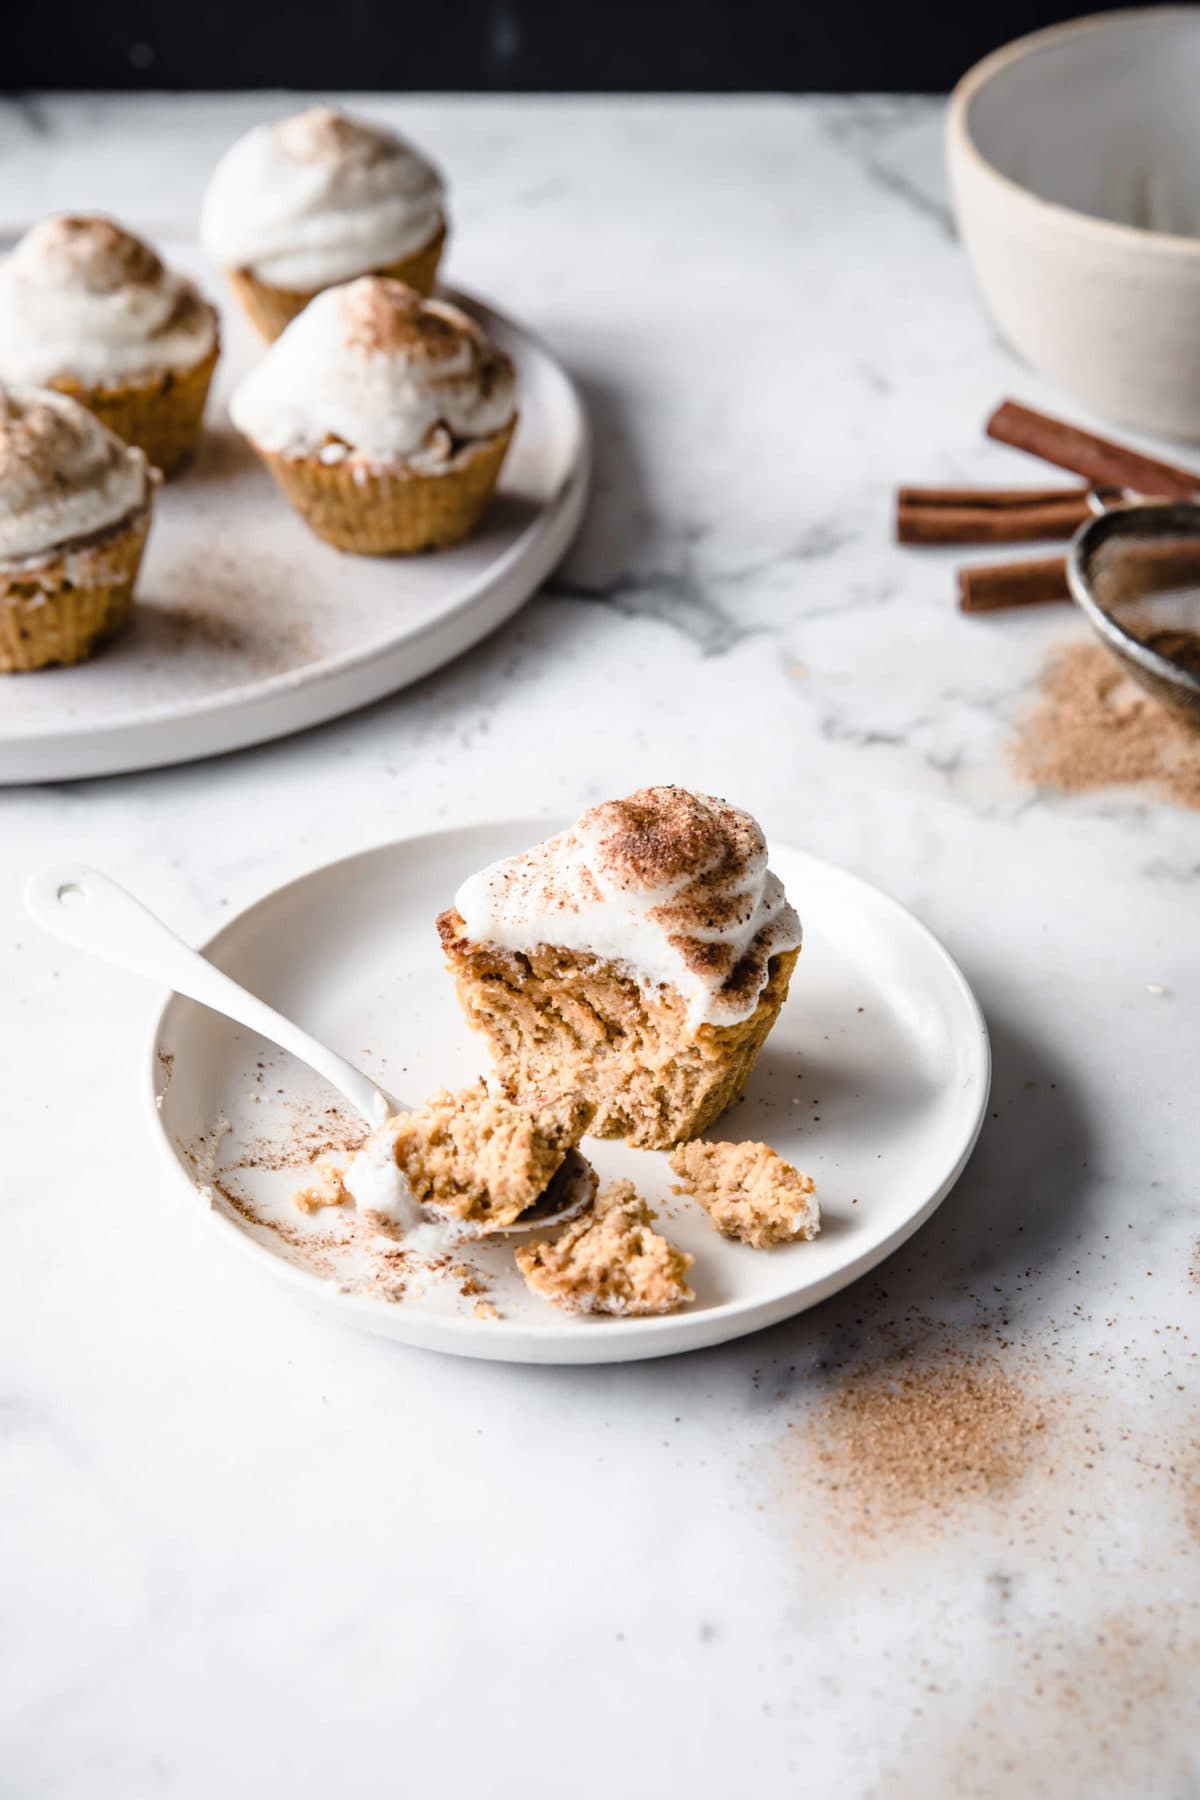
x,y
932,1421
1041,1484
1094,727
1100,1703
918,1433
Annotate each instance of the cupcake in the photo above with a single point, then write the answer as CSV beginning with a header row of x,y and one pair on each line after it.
x,y
89,309
639,959
75,504
384,417
314,200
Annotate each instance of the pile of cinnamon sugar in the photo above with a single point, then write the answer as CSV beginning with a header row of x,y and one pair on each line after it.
x,y
1095,728
917,1434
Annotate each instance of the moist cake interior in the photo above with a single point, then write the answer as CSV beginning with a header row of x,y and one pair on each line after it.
x,y
555,1017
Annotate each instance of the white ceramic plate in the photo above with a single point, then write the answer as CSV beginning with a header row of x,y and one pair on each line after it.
x,y
875,1080
249,627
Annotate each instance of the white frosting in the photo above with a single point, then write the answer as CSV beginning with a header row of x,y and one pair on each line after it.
x,y
80,297
377,1184
317,198
63,475
378,368
672,885
379,1188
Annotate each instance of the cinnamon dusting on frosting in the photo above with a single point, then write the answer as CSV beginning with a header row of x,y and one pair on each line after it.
x,y
374,366
382,316
82,298
699,848
322,134
91,250
36,439
63,476
318,198
665,833
672,883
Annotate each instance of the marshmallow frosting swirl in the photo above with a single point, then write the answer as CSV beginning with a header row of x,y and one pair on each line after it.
x,y
373,367
63,475
674,885
81,298
318,198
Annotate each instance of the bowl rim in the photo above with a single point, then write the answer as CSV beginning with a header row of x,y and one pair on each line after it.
x,y
960,141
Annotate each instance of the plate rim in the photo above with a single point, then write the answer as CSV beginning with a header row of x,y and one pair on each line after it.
x,y
632,1339
558,517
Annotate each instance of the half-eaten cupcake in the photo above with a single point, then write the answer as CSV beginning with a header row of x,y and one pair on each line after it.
x,y
639,958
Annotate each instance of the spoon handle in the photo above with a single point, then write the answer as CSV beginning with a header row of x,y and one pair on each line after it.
x,y
87,909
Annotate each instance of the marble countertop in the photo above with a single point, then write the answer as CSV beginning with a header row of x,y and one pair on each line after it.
x,y
247,1551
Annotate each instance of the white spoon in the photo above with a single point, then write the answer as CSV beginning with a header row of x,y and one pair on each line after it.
x,y
94,913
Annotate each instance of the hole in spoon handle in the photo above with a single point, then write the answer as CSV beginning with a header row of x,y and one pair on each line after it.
x,y
58,894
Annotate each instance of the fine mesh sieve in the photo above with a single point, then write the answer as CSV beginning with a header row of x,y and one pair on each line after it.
x,y
1134,570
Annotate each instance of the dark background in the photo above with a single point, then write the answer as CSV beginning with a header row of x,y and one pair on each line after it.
x,y
526,45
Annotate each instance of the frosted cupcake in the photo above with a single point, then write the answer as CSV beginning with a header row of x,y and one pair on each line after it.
x,y
89,309
384,417
314,200
75,505
640,959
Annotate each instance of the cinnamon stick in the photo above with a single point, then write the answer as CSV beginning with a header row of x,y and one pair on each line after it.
x,y
986,496
990,587
988,515
1098,460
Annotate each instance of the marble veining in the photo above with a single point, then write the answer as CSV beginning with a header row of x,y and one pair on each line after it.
x,y
246,1551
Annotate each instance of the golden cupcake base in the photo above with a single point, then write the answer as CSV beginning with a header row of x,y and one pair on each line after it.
x,y
271,309
61,610
558,1020
393,510
161,414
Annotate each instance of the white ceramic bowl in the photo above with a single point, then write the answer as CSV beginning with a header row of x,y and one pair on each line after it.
x,y
1074,161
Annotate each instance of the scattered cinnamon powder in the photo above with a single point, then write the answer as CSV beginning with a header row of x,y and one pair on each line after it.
x,y
319,1251
1066,1510
321,134
1097,1702
241,607
920,1433
95,253
313,1132
355,1256
1096,728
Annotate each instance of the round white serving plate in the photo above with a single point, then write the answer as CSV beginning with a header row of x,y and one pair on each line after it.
x,y
875,1080
248,627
